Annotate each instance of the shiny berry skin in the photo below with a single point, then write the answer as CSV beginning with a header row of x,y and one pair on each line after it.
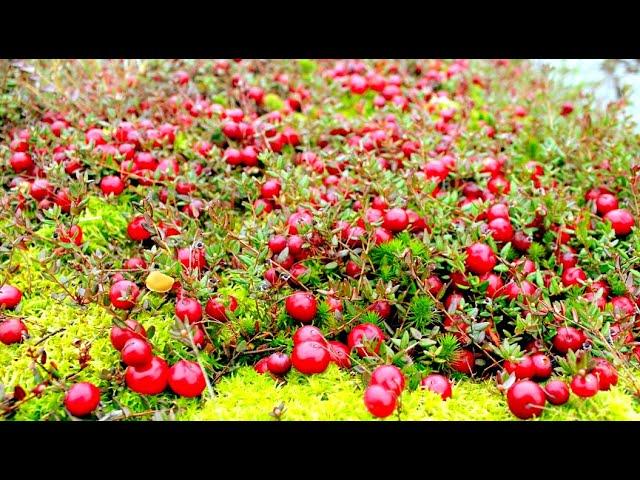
x,y
188,310
495,284
621,221
465,362
277,243
568,259
382,308
232,156
437,384
396,220
120,336
585,386
499,210
605,203
557,392
295,245
623,306
217,310
542,366
82,399
192,258
301,306
298,219
278,363
308,333
199,338
12,331
568,338
186,379
40,189
21,161
573,276
123,294
335,305
499,185
339,354
310,357
480,258
381,235
606,373
434,285
136,352
262,366
379,401
249,156
521,241
111,185
271,189
524,368
525,399
390,377
135,263
136,229
511,290
149,379
353,269
436,170
365,333
72,235
10,296
501,230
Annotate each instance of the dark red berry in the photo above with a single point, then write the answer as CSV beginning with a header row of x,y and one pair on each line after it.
x,y
585,385
123,294
438,384
279,363
339,354
188,310
568,338
119,336
621,221
310,357
308,333
396,220
12,331
149,379
301,306
186,379
542,365
137,229
82,399
606,373
389,377
480,258
366,338
10,296
557,392
464,362
136,352
379,401
525,399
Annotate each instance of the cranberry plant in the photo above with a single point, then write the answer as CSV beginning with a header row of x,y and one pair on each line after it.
x,y
418,228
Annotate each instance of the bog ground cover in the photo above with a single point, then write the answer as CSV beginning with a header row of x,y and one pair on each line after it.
x,y
314,239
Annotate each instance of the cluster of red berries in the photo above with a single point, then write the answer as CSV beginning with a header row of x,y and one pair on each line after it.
x,y
149,374
12,330
527,399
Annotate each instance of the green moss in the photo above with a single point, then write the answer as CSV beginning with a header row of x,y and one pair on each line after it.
x,y
336,395
105,220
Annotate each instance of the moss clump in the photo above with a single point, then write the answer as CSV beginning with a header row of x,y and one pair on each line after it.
x,y
337,395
